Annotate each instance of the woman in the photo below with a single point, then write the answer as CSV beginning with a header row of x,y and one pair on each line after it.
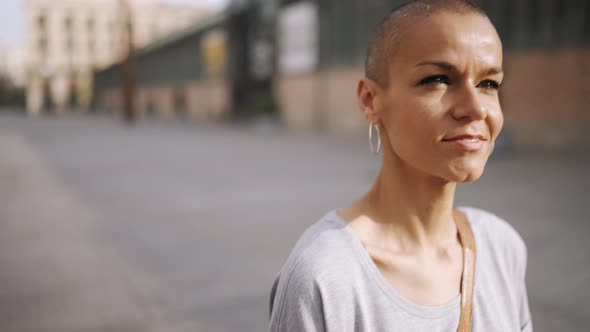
x,y
399,258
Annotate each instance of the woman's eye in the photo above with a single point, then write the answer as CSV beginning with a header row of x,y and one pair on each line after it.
x,y
489,84
437,79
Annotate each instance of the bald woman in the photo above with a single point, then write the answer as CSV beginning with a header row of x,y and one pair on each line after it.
x,y
402,257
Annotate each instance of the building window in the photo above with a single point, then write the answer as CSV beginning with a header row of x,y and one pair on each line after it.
x,y
69,44
68,23
90,35
69,38
41,22
43,45
42,29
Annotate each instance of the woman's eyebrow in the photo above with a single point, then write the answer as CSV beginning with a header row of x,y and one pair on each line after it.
x,y
440,64
494,71
450,67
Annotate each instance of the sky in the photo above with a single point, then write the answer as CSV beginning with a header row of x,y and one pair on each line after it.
x,y
12,28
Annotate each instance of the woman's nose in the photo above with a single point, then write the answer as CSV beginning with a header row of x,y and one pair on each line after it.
x,y
469,104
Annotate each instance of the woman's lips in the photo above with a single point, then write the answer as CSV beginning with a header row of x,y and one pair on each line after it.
x,y
466,143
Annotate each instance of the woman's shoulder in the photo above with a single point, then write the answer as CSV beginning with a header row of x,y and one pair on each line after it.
x,y
491,225
497,237
321,246
321,262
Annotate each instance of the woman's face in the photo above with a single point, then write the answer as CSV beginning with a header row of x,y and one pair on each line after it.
x,y
440,112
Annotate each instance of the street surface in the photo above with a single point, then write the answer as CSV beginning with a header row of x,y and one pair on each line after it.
x,y
177,227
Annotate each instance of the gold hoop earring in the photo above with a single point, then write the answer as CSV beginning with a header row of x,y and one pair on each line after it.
x,y
374,150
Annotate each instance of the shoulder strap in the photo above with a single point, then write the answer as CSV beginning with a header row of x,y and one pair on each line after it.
x,y
468,277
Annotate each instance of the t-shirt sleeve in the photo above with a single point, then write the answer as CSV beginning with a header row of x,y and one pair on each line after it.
x,y
526,323
296,304
514,249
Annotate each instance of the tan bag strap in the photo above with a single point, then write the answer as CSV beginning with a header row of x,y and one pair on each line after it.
x,y
468,277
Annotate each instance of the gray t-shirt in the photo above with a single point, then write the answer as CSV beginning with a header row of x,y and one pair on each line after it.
x,y
330,283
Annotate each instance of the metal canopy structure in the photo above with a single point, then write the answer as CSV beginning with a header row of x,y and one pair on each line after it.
x,y
345,25
174,59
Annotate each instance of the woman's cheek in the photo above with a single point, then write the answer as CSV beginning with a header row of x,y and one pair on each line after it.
x,y
497,122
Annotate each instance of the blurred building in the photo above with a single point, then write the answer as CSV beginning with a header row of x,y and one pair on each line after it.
x,y
182,75
12,64
68,39
317,50
12,76
218,68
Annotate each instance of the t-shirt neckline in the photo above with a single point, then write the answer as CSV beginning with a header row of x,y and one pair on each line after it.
x,y
415,309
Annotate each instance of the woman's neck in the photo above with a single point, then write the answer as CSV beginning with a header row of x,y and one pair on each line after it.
x,y
406,210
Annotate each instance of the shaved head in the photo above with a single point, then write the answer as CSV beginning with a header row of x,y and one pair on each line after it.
x,y
388,34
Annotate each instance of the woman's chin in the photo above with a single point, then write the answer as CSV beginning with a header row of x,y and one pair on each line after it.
x,y
470,178
465,170
464,175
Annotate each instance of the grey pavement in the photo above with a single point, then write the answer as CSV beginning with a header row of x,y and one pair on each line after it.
x,y
170,226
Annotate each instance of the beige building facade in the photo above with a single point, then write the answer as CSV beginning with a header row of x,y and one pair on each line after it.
x,y
12,64
66,40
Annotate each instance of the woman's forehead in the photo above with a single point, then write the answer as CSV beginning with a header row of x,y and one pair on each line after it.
x,y
451,38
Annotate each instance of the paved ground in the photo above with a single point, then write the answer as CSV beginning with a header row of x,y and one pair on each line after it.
x,y
176,227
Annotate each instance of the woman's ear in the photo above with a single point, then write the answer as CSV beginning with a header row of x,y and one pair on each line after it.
x,y
368,98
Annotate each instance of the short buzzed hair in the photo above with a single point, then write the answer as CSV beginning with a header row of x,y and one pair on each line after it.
x,y
386,38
